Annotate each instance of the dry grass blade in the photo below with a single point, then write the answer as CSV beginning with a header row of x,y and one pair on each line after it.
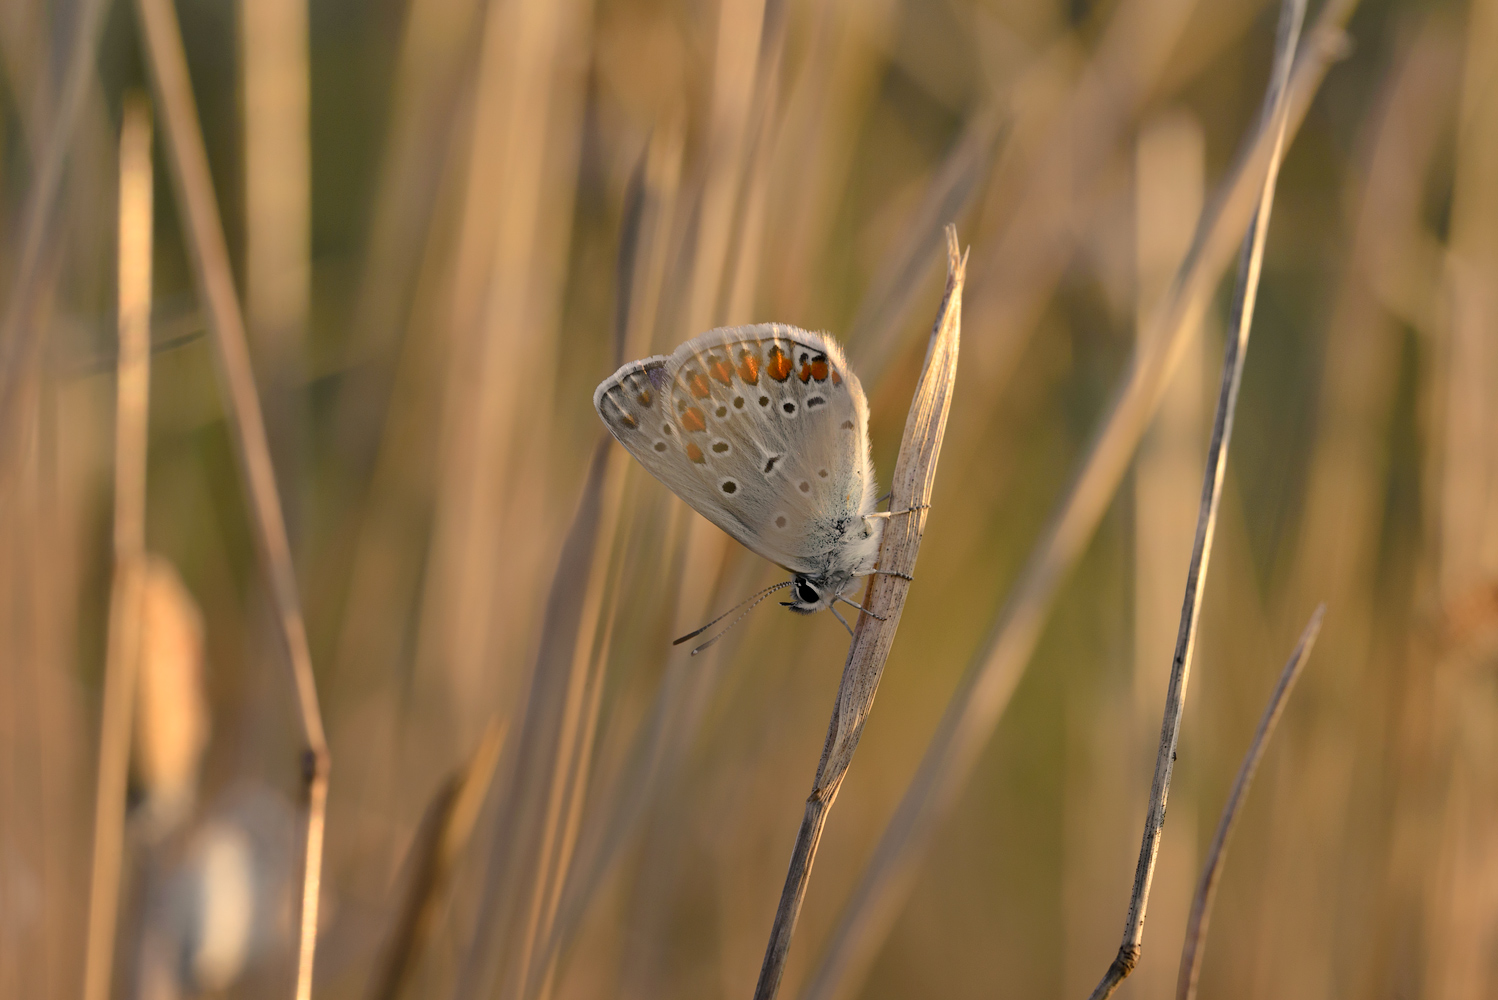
x,y
532,806
979,701
641,267
164,54
440,839
1240,323
20,335
875,332
1206,890
132,407
914,476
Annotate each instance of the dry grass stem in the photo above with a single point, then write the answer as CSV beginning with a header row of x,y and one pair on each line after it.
x,y
441,838
20,331
132,408
981,697
876,330
914,477
172,722
530,850
1239,324
1206,890
275,82
214,278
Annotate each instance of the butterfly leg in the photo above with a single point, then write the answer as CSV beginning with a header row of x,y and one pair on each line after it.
x,y
890,572
860,607
841,619
895,513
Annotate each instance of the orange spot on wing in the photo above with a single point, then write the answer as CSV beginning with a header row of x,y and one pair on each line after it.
x,y
836,378
695,454
627,420
644,397
805,373
819,369
697,383
693,420
779,365
720,370
749,367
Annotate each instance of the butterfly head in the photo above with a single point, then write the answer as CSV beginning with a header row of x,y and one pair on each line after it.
x,y
808,595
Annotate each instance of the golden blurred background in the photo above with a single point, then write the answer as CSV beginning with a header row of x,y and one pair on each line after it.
x,y
447,220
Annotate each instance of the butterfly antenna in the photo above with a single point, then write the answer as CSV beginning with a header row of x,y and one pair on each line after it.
x,y
756,598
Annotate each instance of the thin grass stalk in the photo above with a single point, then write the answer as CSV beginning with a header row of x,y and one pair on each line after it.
x,y
980,699
440,841
637,285
562,716
544,968
529,810
1339,549
874,635
1469,488
722,229
275,88
953,187
1063,179
574,739
438,49
1239,325
875,333
1206,889
132,408
20,334
479,598
164,55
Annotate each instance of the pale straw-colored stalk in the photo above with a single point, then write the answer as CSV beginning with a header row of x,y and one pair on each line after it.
x,y
172,724
275,88
984,691
20,333
440,843
132,408
213,277
540,810
912,483
1240,322
1206,889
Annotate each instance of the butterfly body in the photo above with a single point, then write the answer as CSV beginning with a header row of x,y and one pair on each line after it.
x,y
764,431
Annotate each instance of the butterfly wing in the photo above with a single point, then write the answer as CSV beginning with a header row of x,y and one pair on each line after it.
x,y
761,429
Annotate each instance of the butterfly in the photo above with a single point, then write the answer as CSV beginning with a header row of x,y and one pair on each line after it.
x,y
764,431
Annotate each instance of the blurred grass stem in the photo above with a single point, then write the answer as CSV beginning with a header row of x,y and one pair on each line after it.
x,y
164,55
1206,890
20,334
914,477
984,691
132,407
440,841
1240,323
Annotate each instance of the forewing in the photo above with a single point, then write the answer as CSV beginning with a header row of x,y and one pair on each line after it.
x,y
635,406
774,428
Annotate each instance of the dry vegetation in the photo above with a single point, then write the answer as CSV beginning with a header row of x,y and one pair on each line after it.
x,y
301,494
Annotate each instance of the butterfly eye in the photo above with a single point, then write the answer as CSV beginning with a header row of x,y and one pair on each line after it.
x,y
807,594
